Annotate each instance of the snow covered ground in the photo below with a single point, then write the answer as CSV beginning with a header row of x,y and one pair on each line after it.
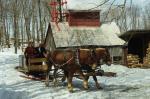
x,y
129,83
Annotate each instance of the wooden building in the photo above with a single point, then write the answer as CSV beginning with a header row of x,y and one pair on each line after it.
x,y
138,43
85,37
83,29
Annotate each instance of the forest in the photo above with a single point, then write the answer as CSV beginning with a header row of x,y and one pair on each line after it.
x,y
25,20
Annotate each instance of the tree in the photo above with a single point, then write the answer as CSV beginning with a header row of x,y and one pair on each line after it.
x,y
15,20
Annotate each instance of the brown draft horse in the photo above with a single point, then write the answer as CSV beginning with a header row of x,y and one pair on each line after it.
x,y
102,56
91,62
66,60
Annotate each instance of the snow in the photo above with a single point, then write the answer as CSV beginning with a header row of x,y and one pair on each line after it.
x,y
111,28
129,83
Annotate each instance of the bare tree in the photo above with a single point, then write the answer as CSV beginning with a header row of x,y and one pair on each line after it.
x,y
15,20
1,28
146,17
26,19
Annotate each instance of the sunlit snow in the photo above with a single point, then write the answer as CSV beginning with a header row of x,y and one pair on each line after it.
x,y
129,83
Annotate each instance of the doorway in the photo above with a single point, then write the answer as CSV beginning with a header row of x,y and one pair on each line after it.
x,y
135,47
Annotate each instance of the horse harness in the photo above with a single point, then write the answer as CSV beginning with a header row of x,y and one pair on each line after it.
x,y
60,65
92,56
76,56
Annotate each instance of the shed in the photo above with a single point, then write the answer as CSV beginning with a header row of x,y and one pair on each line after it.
x,y
138,42
82,37
81,28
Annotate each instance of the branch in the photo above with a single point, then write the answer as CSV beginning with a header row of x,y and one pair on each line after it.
x,y
99,5
109,9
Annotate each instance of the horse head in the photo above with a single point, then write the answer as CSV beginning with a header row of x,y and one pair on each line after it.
x,y
103,56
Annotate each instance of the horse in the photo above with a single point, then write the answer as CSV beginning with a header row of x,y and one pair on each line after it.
x,y
91,62
102,56
72,61
68,61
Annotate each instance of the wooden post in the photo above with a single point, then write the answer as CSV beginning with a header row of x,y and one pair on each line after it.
x,y
125,51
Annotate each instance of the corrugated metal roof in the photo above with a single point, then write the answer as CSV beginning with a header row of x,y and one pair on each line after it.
x,y
85,36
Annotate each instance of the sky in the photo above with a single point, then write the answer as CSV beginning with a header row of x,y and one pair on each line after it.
x,y
141,2
136,2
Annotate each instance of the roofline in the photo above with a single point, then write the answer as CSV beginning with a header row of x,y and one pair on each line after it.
x,y
136,31
88,10
47,33
91,46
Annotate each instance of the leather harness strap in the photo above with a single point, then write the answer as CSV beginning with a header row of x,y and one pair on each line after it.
x,y
64,55
77,56
60,65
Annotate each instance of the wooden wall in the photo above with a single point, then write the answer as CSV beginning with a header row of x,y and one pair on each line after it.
x,y
84,19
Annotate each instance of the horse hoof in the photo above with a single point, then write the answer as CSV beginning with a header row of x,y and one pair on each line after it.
x,y
86,87
70,90
47,84
99,87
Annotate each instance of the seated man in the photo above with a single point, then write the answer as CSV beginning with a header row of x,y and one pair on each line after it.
x,y
41,51
29,52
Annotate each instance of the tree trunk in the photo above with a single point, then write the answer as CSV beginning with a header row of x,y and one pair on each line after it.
x,y
41,27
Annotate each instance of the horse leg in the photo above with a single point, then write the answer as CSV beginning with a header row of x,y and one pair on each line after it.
x,y
69,80
85,79
96,82
55,77
48,73
47,79
69,76
65,76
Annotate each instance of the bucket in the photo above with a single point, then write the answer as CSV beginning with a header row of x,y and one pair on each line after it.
x,y
22,60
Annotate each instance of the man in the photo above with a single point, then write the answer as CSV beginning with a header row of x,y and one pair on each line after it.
x,y
29,52
41,51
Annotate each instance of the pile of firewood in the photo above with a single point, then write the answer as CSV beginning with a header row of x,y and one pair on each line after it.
x,y
133,61
146,60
